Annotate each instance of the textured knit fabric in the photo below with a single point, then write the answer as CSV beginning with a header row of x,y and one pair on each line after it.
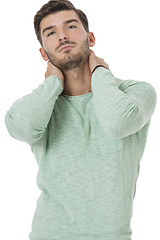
x,y
88,149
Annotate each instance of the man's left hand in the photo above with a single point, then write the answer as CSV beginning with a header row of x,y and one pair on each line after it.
x,y
95,61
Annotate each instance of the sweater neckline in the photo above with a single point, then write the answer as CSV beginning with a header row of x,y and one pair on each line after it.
x,y
78,96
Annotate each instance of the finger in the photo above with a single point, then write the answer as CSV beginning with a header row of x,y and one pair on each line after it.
x,y
49,62
91,51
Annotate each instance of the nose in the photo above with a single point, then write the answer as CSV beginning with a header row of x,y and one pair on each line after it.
x,y
62,36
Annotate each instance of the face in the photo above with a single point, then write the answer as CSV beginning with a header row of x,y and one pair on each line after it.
x,y
65,41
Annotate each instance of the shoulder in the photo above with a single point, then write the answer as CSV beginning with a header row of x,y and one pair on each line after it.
x,y
136,84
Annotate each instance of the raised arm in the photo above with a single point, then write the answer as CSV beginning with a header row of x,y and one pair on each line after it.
x,y
28,118
121,109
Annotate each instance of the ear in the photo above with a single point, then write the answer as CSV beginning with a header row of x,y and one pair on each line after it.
x,y
91,39
43,54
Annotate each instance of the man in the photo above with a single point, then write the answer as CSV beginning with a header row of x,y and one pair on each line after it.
x,y
88,132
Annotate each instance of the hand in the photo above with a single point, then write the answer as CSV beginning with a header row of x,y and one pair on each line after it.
x,y
53,70
95,61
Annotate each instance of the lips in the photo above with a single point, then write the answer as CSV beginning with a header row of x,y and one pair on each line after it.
x,y
66,47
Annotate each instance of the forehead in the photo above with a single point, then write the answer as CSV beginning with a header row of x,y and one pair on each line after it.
x,y
58,18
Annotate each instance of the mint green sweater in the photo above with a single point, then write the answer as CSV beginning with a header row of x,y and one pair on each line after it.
x,y
88,149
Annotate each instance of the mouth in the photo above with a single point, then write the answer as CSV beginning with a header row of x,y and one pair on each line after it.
x,y
67,47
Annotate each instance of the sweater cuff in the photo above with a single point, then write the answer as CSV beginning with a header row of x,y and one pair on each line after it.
x,y
99,66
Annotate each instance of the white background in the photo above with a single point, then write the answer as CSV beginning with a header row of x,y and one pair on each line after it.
x,y
127,37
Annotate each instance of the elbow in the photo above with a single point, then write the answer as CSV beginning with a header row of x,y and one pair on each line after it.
x,y
8,123
13,126
115,134
126,125
22,131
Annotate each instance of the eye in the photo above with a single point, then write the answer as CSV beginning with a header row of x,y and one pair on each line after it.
x,y
71,26
51,33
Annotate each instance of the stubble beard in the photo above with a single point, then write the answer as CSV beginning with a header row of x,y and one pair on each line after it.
x,y
71,61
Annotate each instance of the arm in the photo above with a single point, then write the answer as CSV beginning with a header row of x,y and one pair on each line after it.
x,y
28,118
124,110
121,110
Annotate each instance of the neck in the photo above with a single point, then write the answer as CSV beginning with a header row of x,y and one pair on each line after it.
x,y
77,81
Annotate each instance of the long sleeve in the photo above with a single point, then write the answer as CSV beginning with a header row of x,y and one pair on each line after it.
x,y
28,118
121,110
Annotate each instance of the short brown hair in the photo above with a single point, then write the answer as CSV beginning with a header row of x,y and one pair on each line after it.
x,y
54,6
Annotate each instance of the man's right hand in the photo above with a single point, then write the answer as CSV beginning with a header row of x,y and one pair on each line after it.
x,y
53,70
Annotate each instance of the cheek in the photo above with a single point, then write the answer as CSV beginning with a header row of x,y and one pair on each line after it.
x,y
78,35
49,43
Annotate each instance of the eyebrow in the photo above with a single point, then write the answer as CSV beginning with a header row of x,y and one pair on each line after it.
x,y
65,23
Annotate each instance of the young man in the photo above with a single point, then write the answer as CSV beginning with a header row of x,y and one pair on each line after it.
x,y
88,132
